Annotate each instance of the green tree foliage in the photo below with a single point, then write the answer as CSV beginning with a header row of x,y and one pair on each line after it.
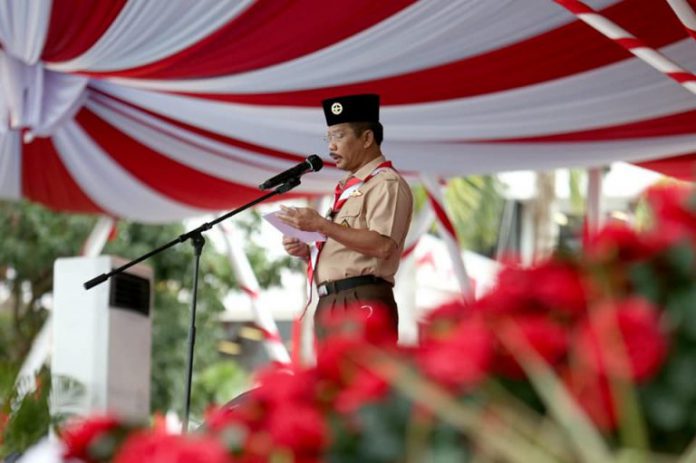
x,y
475,204
33,237
25,418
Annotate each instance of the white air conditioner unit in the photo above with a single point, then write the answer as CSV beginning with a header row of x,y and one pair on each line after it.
x,y
102,336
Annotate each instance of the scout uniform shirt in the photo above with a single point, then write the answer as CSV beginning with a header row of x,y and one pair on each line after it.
x,y
383,204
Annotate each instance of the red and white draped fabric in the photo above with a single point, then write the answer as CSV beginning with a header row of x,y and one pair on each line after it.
x,y
165,109
448,234
249,284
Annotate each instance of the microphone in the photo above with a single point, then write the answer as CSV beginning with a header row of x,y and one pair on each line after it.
x,y
312,164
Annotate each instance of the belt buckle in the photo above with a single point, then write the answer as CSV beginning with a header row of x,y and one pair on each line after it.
x,y
322,290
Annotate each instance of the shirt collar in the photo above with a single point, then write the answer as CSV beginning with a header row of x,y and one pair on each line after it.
x,y
367,169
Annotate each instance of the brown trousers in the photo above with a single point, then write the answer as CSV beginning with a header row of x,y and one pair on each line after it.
x,y
360,296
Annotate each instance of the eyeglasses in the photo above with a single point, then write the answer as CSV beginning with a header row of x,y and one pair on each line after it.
x,y
332,137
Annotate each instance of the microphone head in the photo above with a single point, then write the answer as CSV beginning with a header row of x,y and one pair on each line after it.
x,y
315,162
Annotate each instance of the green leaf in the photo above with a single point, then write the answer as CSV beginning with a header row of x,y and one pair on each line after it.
x,y
645,281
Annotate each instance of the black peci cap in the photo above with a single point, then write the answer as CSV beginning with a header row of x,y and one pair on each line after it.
x,y
351,108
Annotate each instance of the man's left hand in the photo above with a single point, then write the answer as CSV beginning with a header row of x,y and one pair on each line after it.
x,y
302,218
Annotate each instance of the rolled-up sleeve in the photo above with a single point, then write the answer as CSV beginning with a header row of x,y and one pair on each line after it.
x,y
388,209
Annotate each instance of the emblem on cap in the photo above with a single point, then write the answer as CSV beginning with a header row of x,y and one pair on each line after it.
x,y
337,108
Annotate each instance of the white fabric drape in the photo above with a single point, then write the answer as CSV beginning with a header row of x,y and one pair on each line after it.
x,y
64,95
10,165
23,28
35,98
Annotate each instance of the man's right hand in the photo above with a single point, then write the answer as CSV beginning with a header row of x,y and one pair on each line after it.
x,y
295,247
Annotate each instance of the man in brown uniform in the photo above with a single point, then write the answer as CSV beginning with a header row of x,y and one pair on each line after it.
x,y
368,222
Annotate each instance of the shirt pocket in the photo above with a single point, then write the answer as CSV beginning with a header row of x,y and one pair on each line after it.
x,y
350,213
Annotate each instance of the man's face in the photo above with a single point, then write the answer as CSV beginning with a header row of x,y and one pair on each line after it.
x,y
346,149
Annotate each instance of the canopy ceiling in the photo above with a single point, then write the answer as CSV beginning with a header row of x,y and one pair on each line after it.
x,y
162,109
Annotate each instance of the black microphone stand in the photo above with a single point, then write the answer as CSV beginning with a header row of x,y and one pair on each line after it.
x,y
197,241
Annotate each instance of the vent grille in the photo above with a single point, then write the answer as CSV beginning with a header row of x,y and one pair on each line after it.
x,y
130,292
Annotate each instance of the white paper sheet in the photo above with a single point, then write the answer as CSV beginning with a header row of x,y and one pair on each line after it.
x,y
285,229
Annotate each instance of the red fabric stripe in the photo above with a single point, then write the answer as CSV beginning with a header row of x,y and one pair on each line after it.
x,y
562,52
682,167
575,6
46,180
269,32
682,77
268,336
675,124
409,250
692,32
630,42
76,25
442,216
172,179
250,292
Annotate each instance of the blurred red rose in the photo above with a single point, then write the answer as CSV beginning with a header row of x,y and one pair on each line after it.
x,y
546,337
335,359
559,287
217,419
553,286
617,242
622,339
459,360
364,387
298,427
79,435
673,204
446,316
148,447
280,385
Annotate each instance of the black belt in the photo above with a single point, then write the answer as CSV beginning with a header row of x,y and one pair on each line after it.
x,y
330,287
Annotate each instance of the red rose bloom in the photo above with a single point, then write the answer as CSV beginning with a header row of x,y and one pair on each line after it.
x,y
147,447
78,436
670,203
559,287
365,387
217,419
546,337
553,286
278,386
461,359
617,241
450,313
298,427
623,340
